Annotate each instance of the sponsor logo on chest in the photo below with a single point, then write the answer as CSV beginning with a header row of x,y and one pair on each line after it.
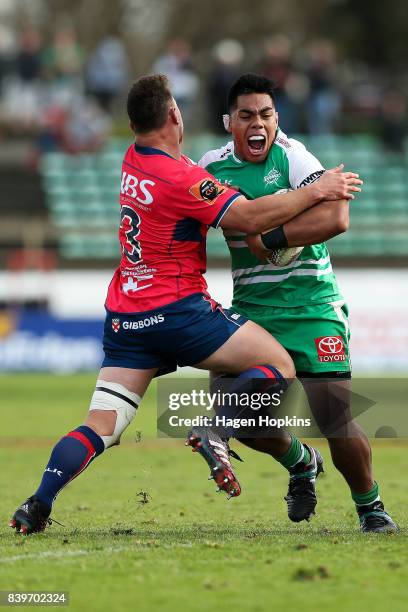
x,y
272,177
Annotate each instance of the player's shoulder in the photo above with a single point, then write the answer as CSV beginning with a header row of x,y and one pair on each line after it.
x,y
130,153
303,167
217,155
290,146
188,161
184,172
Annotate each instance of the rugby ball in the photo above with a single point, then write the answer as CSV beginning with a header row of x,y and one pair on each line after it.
x,y
284,256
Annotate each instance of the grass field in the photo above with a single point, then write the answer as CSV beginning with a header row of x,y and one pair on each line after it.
x,y
187,547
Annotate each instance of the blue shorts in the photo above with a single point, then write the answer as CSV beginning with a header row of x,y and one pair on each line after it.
x,y
178,334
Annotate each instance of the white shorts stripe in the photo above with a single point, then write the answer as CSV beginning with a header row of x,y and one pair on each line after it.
x,y
337,307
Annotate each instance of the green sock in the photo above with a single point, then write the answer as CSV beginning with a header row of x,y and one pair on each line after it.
x,y
295,453
363,499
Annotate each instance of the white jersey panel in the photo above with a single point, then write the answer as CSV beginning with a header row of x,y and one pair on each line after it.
x,y
304,168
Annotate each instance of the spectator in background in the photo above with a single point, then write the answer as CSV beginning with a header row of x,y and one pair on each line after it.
x,y
78,128
29,56
176,63
228,56
393,120
22,96
64,58
62,87
87,127
51,122
324,104
7,51
277,65
107,72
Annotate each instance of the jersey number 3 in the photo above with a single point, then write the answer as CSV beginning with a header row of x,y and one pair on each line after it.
x,y
130,225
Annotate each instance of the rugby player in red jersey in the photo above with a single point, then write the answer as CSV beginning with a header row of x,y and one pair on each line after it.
x,y
159,313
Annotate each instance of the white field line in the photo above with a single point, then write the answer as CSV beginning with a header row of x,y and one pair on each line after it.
x,y
58,554
55,554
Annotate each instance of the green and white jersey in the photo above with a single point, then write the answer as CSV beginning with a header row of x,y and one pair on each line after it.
x,y
309,279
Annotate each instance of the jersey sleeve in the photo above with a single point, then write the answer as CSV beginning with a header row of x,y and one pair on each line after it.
x,y
304,168
201,196
216,155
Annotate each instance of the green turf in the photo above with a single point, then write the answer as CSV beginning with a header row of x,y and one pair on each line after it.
x,y
186,547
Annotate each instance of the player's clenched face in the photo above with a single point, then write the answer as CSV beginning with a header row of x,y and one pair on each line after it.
x,y
253,125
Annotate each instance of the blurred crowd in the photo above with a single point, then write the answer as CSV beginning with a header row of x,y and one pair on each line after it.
x,y
68,99
58,94
316,91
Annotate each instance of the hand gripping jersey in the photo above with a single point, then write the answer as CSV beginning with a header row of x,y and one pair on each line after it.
x,y
309,279
166,208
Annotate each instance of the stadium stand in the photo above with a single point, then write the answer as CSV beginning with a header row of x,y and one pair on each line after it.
x,y
82,198
23,209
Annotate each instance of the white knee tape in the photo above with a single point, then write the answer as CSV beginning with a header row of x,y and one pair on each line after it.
x,y
113,396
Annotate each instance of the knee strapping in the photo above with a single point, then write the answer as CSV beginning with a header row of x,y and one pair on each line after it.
x,y
113,396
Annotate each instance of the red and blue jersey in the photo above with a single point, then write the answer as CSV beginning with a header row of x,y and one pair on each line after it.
x,y
166,208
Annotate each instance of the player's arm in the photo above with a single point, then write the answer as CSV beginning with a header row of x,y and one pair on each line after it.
x,y
315,225
312,226
323,221
318,224
256,216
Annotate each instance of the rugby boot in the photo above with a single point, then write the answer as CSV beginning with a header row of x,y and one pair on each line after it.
x,y
373,518
216,452
301,497
32,516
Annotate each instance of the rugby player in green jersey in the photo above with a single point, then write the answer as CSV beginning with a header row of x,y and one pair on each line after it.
x,y
300,303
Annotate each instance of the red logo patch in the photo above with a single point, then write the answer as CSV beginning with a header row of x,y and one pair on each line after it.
x,y
116,325
330,349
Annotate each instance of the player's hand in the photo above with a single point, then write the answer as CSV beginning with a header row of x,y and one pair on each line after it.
x,y
335,184
256,246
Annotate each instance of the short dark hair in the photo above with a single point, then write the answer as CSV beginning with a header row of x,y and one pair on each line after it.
x,y
148,102
250,83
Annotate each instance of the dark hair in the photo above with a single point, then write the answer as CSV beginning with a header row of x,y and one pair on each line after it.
x,y
250,83
148,102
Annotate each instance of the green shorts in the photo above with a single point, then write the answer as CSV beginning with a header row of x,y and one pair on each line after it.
x,y
316,337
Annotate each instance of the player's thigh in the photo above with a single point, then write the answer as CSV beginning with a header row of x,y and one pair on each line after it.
x,y
248,346
316,336
135,380
329,397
